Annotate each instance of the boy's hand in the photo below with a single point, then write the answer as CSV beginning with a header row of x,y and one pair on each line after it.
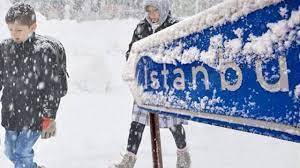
x,y
48,128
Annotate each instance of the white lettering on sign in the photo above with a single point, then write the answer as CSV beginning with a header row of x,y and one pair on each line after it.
x,y
154,80
179,82
146,79
195,71
283,82
165,73
297,91
225,84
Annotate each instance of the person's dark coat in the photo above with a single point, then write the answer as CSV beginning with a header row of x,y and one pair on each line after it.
x,y
27,77
144,29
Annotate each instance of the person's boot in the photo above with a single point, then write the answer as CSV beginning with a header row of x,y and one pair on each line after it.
x,y
183,158
128,161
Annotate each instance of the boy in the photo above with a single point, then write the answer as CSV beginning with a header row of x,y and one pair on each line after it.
x,y
29,79
158,17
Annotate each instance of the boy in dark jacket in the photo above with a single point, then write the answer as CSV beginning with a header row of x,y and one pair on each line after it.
x,y
29,80
158,17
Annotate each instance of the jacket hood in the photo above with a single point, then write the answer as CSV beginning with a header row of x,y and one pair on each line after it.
x,y
163,7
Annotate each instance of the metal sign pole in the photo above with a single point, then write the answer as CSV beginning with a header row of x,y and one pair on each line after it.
x,y
155,140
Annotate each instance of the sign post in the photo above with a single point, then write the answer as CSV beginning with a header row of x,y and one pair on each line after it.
x,y
155,140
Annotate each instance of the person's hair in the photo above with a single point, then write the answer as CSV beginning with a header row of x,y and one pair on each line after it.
x,y
21,13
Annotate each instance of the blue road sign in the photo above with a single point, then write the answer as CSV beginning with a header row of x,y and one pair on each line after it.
x,y
242,73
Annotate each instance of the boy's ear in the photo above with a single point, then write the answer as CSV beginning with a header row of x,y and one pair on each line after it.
x,y
33,27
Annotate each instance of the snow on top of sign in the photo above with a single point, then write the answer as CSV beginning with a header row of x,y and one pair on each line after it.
x,y
280,34
279,37
210,56
228,11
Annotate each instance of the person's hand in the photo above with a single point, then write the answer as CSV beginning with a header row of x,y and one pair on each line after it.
x,y
48,128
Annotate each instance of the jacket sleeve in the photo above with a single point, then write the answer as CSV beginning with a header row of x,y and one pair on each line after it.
x,y
135,38
47,84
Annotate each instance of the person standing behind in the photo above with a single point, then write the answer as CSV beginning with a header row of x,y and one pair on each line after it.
x,y
30,79
158,17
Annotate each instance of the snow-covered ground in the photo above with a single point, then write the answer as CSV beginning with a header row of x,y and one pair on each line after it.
x,y
93,120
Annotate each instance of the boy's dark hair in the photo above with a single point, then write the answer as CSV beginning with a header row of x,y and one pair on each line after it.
x,y
22,13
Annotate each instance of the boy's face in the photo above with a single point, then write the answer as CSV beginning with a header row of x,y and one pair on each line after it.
x,y
19,32
153,14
